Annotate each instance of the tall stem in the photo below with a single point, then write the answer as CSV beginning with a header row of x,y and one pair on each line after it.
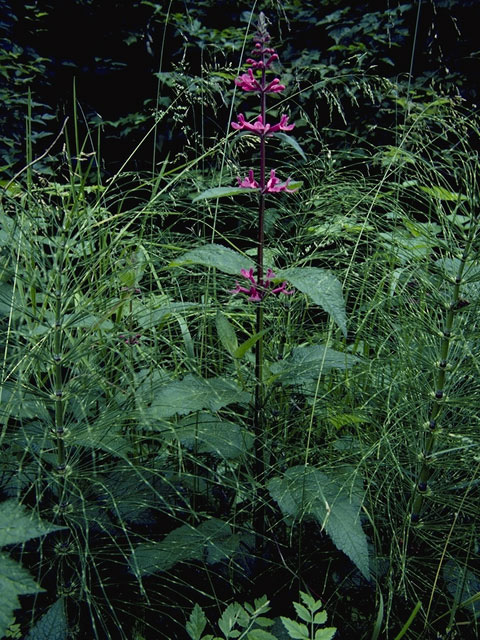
x,y
421,487
258,420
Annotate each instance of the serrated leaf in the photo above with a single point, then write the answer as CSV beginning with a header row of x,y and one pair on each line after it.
x,y
306,491
307,363
320,617
18,525
292,142
322,287
262,604
264,622
218,256
196,623
310,602
226,332
14,581
232,615
295,630
52,625
103,435
221,192
183,544
193,394
302,612
209,434
260,634
325,634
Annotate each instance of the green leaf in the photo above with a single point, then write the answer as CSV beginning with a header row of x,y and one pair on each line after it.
x,y
325,634
52,625
183,544
209,434
463,585
232,615
440,193
105,435
215,255
292,142
196,623
322,287
260,634
226,333
309,362
306,491
193,394
302,612
222,192
18,525
248,344
312,604
14,581
295,629
320,617
262,621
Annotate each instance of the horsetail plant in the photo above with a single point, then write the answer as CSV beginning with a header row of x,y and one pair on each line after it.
x,y
455,304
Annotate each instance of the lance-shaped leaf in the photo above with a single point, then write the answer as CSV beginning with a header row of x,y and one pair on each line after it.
x,y
193,394
215,255
220,192
291,141
322,287
18,525
212,539
309,362
52,625
306,491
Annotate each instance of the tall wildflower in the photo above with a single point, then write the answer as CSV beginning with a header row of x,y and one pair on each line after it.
x,y
257,80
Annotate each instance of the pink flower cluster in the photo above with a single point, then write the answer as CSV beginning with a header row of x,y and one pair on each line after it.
x,y
256,291
263,129
273,184
248,82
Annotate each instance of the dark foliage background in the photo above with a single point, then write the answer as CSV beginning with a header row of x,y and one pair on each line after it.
x,y
130,59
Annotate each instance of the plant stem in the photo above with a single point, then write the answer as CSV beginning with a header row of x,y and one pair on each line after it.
x,y
425,473
259,410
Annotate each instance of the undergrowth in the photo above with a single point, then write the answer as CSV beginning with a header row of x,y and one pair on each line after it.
x,y
128,449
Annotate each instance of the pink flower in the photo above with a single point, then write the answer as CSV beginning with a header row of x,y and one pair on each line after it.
x,y
260,127
247,82
249,182
256,291
258,64
282,125
273,185
274,86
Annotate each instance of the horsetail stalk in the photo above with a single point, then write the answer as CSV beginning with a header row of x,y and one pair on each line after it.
x,y
456,303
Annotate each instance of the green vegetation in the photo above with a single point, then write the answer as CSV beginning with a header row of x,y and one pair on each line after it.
x,y
133,475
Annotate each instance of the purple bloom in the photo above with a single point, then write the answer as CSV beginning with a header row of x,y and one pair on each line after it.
x,y
130,339
249,182
274,185
258,64
260,127
257,290
248,82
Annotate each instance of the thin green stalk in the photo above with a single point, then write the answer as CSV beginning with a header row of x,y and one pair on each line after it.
x,y
421,487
